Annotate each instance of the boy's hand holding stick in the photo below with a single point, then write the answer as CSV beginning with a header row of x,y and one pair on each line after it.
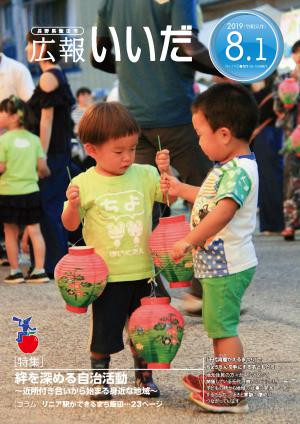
x,y
71,214
73,193
163,164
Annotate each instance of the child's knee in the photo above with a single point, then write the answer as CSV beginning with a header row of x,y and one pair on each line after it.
x,y
11,229
34,229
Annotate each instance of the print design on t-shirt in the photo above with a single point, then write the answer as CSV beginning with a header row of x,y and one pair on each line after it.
x,y
21,143
123,208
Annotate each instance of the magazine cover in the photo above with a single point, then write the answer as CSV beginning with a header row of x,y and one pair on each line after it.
x,y
149,211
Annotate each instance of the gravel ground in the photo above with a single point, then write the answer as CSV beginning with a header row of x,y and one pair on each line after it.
x,y
269,329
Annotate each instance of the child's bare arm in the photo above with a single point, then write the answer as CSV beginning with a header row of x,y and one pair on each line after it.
x,y
2,167
176,188
217,219
71,216
42,168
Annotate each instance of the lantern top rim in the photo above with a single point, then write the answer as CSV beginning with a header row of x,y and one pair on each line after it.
x,y
81,250
172,219
155,300
290,79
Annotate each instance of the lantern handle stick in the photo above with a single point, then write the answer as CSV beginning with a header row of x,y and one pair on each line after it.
x,y
160,149
159,143
81,220
69,174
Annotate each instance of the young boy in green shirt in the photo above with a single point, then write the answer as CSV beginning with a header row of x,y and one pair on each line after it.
x,y
115,199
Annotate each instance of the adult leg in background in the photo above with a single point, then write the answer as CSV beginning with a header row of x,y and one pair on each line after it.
x,y
53,189
270,169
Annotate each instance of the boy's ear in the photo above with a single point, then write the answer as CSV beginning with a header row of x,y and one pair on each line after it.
x,y
90,149
225,134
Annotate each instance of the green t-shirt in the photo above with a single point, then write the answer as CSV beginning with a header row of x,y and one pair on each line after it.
x,y
117,214
19,150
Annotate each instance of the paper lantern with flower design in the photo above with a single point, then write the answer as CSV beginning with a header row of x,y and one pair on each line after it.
x,y
81,277
156,330
169,231
288,92
292,144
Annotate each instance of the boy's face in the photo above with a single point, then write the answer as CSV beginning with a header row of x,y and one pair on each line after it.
x,y
4,119
8,121
84,99
213,143
296,57
114,156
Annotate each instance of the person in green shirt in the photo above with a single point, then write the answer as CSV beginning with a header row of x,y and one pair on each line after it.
x,y
115,199
22,161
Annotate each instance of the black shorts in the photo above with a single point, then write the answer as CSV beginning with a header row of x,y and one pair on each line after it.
x,y
20,209
110,312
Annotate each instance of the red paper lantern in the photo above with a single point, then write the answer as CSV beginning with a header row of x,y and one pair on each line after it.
x,y
156,330
81,276
168,232
292,143
288,92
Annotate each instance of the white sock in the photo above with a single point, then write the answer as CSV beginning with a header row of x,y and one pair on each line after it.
x,y
38,271
15,271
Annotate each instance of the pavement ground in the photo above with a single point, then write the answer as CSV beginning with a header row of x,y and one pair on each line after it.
x,y
269,330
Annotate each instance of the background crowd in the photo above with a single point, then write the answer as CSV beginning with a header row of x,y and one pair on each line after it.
x,y
53,113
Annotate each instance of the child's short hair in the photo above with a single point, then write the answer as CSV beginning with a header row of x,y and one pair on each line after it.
x,y
231,106
296,46
82,90
14,104
104,121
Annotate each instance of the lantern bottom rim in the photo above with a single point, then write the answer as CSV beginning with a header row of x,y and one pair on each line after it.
x,y
158,365
76,309
178,284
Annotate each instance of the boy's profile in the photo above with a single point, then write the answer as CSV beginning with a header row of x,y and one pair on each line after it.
x,y
222,222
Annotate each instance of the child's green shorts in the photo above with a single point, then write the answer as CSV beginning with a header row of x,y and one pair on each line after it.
x,y
222,298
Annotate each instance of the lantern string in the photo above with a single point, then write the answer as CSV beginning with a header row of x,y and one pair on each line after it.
x,y
81,238
153,282
153,288
164,209
167,195
81,220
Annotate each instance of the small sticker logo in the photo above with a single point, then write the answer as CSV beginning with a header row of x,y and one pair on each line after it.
x,y
27,341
